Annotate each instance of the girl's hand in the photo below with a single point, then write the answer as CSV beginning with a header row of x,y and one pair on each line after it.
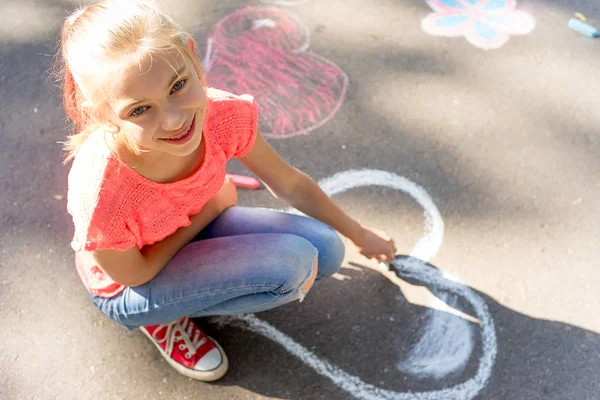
x,y
375,244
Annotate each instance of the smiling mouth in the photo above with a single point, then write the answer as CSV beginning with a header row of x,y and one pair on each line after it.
x,y
183,136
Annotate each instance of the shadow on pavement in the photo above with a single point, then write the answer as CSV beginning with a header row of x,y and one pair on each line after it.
x,y
367,328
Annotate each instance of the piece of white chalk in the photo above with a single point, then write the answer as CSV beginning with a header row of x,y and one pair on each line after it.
x,y
246,182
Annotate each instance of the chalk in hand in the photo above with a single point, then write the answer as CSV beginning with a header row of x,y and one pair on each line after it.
x,y
384,266
583,28
246,182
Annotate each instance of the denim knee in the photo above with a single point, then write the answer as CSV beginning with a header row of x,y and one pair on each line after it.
x,y
106,307
294,263
331,253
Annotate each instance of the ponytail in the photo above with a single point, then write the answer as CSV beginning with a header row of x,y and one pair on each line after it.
x,y
72,96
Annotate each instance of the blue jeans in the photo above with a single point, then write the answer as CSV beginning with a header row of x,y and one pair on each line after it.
x,y
247,260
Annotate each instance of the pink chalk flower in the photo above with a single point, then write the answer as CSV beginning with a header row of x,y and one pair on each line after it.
x,y
486,24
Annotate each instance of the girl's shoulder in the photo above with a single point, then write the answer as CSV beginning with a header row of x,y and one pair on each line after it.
x,y
224,98
88,170
232,121
224,107
94,179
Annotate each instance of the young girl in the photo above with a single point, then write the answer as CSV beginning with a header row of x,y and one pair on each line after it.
x,y
158,238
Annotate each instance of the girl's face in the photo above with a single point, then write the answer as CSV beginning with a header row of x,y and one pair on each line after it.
x,y
160,104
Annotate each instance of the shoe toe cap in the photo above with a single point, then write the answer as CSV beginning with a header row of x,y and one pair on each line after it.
x,y
209,361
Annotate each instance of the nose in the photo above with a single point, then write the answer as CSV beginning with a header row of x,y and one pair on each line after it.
x,y
174,119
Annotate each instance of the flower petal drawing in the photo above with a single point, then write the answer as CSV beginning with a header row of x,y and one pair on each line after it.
x,y
446,5
493,5
515,22
449,24
485,36
486,24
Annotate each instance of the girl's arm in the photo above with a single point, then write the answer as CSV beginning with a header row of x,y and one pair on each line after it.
x,y
134,267
300,191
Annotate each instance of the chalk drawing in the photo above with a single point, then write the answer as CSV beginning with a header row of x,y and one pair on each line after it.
x,y
445,346
262,51
486,24
413,268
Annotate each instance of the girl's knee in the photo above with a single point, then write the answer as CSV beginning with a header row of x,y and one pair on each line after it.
x,y
297,262
305,287
331,253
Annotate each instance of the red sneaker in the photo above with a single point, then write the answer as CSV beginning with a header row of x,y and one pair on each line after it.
x,y
188,349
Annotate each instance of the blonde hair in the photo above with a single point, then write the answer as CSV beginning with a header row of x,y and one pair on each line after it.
x,y
112,32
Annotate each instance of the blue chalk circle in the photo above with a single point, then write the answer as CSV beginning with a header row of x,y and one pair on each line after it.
x,y
583,28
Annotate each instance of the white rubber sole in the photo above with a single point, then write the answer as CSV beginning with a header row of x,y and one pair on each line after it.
x,y
204,376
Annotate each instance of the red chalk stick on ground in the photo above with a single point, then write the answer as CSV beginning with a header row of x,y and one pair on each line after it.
x,y
246,182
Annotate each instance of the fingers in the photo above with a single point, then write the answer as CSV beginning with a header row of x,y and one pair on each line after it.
x,y
378,246
385,256
389,254
393,250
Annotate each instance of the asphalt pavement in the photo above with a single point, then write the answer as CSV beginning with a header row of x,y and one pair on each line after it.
x,y
486,163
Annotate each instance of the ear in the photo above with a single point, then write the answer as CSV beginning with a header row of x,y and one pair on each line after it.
x,y
113,129
191,44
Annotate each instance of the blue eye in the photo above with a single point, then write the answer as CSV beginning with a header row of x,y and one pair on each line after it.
x,y
178,85
142,109
139,111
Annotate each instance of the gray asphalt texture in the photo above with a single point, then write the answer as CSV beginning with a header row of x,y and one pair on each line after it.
x,y
506,142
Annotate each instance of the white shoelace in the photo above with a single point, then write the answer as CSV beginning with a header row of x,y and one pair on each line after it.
x,y
184,327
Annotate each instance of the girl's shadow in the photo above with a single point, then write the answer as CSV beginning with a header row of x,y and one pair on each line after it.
x,y
362,324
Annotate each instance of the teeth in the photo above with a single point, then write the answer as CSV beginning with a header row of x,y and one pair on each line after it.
x,y
180,136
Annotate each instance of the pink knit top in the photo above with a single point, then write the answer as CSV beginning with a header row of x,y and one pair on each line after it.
x,y
114,207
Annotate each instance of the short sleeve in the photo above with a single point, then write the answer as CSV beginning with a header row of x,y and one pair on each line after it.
x,y
95,207
233,121
98,237
96,230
